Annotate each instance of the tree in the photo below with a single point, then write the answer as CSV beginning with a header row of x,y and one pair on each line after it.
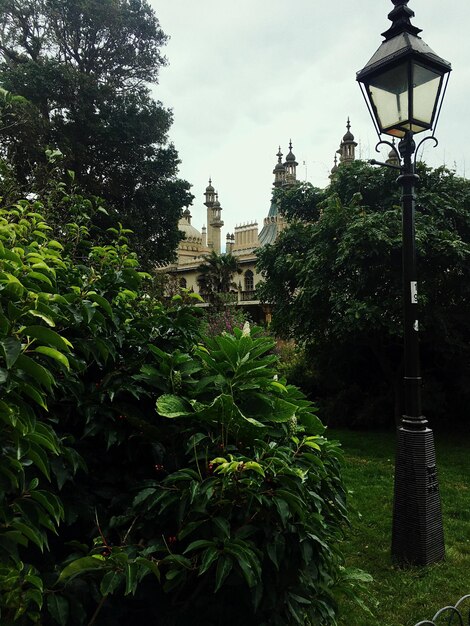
x,y
83,69
216,274
334,280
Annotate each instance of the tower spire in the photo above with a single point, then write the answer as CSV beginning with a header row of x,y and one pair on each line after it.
x,y
347,148
279,171
291,165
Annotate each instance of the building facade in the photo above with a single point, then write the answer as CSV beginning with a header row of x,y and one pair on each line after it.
x,y
246,239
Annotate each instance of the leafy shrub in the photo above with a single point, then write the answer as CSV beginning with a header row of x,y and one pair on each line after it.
x,y
222,320
243,519
226,499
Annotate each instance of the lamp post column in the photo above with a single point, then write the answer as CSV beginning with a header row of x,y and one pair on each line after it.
x,y
417,536
412,377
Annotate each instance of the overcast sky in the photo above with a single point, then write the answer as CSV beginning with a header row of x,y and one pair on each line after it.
x,y
247,75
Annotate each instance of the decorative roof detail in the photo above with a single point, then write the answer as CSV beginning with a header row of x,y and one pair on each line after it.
x,y
348,136
191,234
290,158
335,166
279,166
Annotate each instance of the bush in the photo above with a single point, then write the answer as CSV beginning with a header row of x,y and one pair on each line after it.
x,y
223,506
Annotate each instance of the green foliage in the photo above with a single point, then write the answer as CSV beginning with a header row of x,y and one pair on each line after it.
x,y
206,482
74,319
216,277
218,320
78,71
243,520
334,280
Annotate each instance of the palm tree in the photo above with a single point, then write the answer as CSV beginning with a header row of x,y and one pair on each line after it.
x,y
216,274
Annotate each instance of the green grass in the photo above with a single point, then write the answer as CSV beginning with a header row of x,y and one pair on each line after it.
x,y
403,597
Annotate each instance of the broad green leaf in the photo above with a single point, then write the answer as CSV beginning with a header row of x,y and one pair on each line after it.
x,y
102,302
256,467
58,607
131,578
39,458
35,370
222,526
42,316
150,565
80,566
224,567
50,502
209,556
173,406
143,495
110,582
34,394
11,350
196,545
47,336
30,532
40,277
53,354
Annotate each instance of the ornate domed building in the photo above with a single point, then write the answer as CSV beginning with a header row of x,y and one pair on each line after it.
x,y
245,239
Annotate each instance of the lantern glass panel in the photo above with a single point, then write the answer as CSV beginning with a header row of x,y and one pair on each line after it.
x,y
389,95
426,86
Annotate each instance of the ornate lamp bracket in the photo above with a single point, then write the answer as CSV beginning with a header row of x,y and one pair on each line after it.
x,y
394,148
431,137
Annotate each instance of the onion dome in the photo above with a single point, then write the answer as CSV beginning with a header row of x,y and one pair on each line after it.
x,y
184,225
335,166
279,166
217,203
290,158
209,187
348,136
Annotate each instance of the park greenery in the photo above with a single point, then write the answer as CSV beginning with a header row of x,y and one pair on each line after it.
x,y
334,281
156,464
149,472
403,596
78,74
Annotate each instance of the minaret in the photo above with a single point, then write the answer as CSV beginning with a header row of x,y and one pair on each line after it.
x,y
214,222
291,166
334,169
347,148
230,240
279,171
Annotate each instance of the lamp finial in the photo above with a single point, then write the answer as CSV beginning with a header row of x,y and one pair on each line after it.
x,y
400,17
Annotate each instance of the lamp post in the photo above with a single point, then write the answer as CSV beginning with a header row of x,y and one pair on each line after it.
x,y
403,85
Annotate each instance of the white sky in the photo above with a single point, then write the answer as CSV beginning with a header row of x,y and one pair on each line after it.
x,y
247,75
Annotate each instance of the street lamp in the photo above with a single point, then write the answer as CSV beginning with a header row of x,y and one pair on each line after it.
x,y
404,84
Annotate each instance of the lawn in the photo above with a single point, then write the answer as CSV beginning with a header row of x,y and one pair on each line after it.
x,y
403,597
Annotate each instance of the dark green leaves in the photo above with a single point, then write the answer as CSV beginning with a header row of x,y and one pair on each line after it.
x,y
11,348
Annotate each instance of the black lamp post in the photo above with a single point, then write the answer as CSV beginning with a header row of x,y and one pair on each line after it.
x,y
403,85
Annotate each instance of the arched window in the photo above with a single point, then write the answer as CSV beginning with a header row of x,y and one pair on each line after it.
x,y
183,283
249,281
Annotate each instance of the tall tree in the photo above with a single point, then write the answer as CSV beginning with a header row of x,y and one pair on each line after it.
x,y
84,67
334,279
